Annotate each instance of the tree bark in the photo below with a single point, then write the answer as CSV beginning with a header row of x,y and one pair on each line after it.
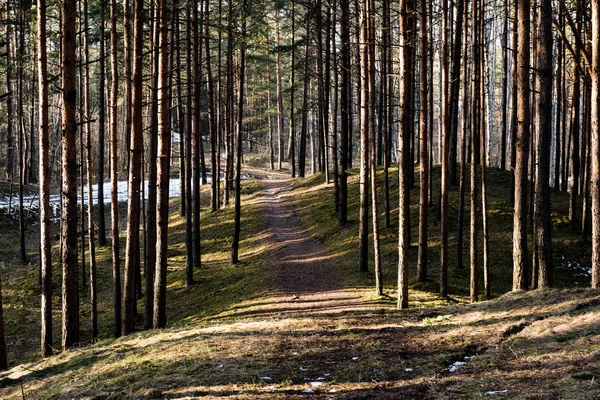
x,y
164,144
407,8
44,182
520,272
542,221
423,150
240,116
114,162
70,283
135,171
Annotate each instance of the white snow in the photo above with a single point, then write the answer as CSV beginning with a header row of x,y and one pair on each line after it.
x,y
456,365
497,392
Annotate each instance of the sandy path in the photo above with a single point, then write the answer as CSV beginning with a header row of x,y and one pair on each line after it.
x,y
302,264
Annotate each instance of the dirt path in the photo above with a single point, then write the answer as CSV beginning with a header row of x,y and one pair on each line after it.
x,y
303,264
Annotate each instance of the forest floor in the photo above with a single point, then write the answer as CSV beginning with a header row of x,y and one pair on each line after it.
x,y
294,321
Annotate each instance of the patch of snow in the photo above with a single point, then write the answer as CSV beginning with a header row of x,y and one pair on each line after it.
x,y
303,369
409,370
494,392
456,365
264,378
220,366
308,391
354,358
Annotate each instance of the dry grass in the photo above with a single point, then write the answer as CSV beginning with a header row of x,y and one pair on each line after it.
x,y
231,337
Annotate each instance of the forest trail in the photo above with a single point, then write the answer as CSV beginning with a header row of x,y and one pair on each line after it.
x,y
307,277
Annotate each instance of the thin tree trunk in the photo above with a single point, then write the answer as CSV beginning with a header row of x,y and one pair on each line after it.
x,y
133,205
189,132
280,144
346,115
240,115
407,8
542,222
370,100
44,182
465,132
212,120
520,272
292,121
70,282
114,162
101,130
445,186
595,115
363,213
504,105
88,166
164,144
423,150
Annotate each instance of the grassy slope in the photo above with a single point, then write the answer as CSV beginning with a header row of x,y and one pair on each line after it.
x,y
319,211
536,345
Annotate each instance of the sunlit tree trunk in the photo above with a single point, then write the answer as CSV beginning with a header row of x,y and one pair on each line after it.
x,y
135,171
70,283
407,9
44,182
520,272
114,162
238,166
164,144
423,150
542,221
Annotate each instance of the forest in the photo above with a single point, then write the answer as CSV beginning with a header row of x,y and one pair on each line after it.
x,y
299,199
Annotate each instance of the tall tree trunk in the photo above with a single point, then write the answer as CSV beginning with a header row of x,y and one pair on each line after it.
x,y
189,132
504,105
292,121
238,166
22,150
114,162
9,165
514,100
150,231
476,125
304,129
370,69
453,94
424,153
363,211
595,115
345,103
520,272
445,187
463,154
542,222
280,144
576,125
135,158
70,283
407,8
101,130
483,149
88,166
44,182
198,152
334,109
164,144
212,120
